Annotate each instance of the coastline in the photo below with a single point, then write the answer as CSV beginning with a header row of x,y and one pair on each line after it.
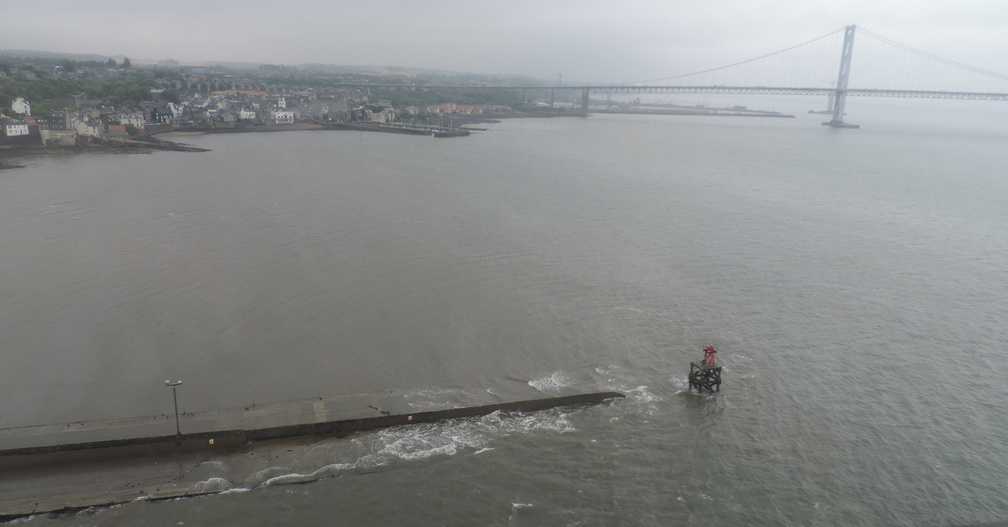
x,y
9,154
459,126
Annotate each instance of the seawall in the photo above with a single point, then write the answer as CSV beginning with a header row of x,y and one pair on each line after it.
x,y
36,462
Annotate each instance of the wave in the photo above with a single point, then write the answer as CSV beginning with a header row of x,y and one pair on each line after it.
x,y
409,444
554,382
210,486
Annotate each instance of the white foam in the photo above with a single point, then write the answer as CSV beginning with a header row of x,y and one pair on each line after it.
x,y
417,442
515,507
266,474
210,486
641,394
554,382
291,479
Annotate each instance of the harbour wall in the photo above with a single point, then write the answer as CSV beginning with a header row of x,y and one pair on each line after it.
x,y
195,440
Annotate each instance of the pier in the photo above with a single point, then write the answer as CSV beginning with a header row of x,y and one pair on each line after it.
x,y
72,466
397,128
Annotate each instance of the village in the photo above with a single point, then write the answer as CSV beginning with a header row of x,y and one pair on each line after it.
x,y
235,110
179,105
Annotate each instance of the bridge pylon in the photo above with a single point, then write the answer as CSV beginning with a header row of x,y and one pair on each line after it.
x,y
840,95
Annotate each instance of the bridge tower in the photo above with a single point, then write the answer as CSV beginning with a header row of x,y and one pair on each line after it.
x,y
840,96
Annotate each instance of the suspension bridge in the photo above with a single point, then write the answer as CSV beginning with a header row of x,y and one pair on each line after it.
x,y
903,72
885,68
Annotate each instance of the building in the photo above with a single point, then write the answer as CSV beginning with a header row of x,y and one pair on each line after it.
x,y
21,106
283,117
161,115
14,127
89,128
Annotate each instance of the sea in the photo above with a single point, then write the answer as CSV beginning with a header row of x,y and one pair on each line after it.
x,y
853,281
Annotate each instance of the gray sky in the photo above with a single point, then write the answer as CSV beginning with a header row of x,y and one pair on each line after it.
x,y
588,40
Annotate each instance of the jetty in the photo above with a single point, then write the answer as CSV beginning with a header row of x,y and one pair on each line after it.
x,y
397,128
73,466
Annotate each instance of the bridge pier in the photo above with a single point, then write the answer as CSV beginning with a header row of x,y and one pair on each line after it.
x,y
840,96
584,101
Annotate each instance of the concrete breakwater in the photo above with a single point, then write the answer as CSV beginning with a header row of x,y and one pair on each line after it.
x,y
436,131
102,459
306,416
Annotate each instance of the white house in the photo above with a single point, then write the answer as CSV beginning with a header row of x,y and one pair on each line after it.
x,y
14,127
386,115
21,106
89,127
137,119
283,117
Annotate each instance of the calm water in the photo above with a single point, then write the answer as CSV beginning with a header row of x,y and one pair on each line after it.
x,y
854,281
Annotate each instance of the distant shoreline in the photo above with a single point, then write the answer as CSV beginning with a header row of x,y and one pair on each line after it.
x,y
148,143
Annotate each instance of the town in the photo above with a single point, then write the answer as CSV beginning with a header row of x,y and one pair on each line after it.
x,y
61,102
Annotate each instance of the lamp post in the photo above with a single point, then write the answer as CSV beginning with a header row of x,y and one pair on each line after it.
x,y
178,431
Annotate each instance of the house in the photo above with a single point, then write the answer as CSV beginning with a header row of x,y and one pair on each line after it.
x,y
385,115
117,130
33,125
58,120
130,117
283,117
161,115
21,106
89,128
14,127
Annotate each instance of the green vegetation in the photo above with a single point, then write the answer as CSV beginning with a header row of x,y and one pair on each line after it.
x,y
56,82
47,94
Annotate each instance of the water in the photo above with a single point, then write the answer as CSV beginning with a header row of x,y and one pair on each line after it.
x,y
853,281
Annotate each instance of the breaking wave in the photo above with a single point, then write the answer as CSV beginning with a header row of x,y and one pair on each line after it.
x,y
554,382
210,486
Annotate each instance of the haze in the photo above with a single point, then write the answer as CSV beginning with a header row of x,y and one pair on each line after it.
x,y
589,41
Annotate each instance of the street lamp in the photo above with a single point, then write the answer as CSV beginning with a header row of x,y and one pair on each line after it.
x,y
178,431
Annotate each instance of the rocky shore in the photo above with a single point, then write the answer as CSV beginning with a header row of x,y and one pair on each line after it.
x,y
144,145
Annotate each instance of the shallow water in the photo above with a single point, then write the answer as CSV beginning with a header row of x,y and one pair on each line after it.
x,y
853,281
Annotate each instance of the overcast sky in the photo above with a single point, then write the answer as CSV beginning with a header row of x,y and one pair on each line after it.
x,y
587,40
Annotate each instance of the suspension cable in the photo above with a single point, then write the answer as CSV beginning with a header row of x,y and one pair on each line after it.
x,y
931,56
830,34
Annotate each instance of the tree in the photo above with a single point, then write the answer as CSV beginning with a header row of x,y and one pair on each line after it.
x,y
126,63
171,95
111,62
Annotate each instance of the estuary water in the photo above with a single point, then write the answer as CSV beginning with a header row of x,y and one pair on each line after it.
x,y
853,281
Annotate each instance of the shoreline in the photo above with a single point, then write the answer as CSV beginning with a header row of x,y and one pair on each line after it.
x,y
9,154
460,126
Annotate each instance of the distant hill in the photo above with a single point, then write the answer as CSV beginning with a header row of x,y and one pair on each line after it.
x,y
79,57
474,78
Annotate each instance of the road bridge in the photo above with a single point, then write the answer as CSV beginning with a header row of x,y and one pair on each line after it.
x,y
837,91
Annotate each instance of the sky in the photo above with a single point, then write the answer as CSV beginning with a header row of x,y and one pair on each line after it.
x,y
587,41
